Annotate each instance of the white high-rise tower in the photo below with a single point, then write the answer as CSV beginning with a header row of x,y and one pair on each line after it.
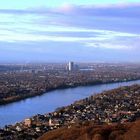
x,y
71,66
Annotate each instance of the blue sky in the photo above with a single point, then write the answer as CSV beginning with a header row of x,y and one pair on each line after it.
x,y
78,30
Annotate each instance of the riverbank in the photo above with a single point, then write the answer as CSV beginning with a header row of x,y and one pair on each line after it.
x,y
119,105
11,113
74,85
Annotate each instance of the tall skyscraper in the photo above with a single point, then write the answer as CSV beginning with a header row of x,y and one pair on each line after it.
x,y
71,66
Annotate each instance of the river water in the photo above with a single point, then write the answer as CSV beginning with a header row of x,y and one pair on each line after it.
x,y
18,111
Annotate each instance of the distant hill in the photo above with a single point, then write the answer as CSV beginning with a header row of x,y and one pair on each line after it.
x,y
89,131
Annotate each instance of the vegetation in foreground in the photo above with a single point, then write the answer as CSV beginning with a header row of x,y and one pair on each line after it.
x,y
90,131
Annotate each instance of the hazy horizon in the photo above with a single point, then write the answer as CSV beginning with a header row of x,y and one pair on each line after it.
x,y
61,31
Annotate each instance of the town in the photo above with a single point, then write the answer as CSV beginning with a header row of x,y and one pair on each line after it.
x,y
69,70
22,81
119,105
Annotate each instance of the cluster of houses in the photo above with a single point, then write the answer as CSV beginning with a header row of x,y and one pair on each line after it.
x,y
118,105
19,85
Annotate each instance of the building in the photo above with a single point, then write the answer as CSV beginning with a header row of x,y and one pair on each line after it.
x,y
28,122
71,66
50,122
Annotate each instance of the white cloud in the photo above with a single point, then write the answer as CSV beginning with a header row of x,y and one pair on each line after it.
x,y
65,7
25,29
120,4
109,46
33,33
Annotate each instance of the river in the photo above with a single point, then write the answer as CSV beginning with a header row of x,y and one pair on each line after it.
x,y
18,111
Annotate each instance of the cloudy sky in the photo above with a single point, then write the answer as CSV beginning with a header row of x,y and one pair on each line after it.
x,y
64,30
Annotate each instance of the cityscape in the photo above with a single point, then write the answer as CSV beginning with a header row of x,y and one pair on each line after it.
x,y
70,70
20,81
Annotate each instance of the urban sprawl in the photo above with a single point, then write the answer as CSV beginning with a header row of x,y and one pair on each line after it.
x,y
117,105
22,81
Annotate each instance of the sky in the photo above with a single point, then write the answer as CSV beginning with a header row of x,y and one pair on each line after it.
x,y
72,30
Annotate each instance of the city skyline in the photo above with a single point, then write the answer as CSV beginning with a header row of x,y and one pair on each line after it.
x,y
61,31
